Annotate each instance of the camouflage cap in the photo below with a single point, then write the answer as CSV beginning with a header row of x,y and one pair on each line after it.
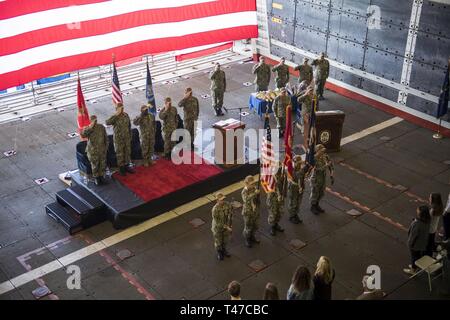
x,y
93,117
320,148
298,158
220,196
249,180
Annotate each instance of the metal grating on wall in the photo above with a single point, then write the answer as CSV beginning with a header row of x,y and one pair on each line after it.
x,y
393,49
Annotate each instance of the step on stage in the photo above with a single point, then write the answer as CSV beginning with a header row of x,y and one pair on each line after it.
x,y
134,198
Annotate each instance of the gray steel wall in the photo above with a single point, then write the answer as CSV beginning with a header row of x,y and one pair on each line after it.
x,y
405,43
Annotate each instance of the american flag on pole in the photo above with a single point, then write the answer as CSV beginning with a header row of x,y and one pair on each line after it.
x,y
116,93
310,159
268,163
288,138
47,37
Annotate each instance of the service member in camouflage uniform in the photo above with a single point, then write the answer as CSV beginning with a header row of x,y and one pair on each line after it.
x,y
279,108
305,71
321,74
275,202
306,100
319,178
296,189
122,138
218,88
262,72
222,218
282,77
147,127
191,110
169,117
97,147
250,210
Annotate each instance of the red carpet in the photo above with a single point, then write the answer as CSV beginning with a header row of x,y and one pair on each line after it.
x,y
165,177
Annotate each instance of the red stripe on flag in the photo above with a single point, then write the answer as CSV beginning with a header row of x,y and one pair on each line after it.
x,y
204,52
87,60
126,62
13,8
90,28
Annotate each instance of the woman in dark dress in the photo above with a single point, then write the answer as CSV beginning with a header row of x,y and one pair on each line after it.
x,y
418,235
323,279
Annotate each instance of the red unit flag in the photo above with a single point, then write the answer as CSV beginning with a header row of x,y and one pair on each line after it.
x,y
83,114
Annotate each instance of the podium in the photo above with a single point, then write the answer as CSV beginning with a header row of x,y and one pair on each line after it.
x,y
329,129
229,142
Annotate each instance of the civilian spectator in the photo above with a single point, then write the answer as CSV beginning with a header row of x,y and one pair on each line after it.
x,y
437,208
370,293
234,290
271,292
300,288
323,279
418,237
446,220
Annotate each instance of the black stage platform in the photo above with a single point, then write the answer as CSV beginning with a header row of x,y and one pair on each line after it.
x,y
124,208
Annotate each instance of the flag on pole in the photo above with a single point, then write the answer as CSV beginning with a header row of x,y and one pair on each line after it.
x,y
312,134
288,137
116,93
444,96
267,159
149,93
47,37
83,114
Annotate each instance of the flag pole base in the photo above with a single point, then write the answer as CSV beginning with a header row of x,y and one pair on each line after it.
x,y
437,136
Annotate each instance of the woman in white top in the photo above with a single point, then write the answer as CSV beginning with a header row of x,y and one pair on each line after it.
x,y
437,208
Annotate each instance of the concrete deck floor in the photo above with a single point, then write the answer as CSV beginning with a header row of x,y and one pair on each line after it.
x,y
176,261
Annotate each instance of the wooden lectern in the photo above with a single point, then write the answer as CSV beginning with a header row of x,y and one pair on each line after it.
x,y
229,142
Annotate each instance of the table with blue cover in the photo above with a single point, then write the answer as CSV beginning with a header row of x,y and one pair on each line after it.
x,y
260,106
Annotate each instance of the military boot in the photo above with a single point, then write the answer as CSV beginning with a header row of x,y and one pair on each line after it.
x,y
97,181
225,252
219,255
254,240
279,228
320,209
167,156
248,242
273,231
146,163
122,170
295,219
314,209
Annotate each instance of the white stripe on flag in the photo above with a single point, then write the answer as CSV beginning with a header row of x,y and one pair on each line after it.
x,y
73,47
44,19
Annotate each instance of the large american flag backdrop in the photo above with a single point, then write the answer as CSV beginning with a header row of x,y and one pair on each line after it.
x,y
47,37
